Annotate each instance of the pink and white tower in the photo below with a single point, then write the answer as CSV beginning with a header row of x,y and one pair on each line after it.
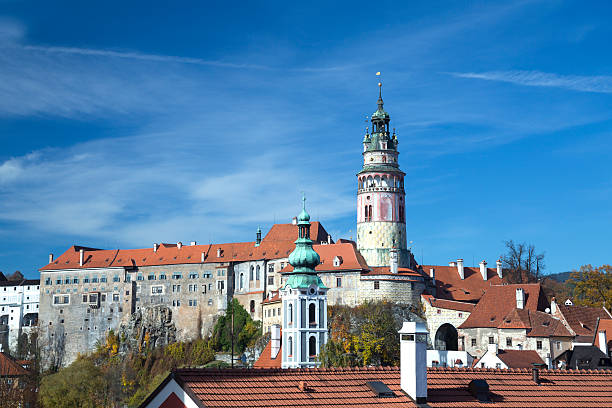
x,y
381,219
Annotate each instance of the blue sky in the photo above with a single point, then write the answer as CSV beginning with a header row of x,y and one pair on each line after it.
x,y
128,123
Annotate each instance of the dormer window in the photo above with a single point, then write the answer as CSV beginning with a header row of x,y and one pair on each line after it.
x,y
337,261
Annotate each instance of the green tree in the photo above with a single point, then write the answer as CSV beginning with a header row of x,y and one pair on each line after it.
x,y
246,331
593,286
81,384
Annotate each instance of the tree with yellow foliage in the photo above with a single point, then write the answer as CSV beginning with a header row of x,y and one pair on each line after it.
x,y
593,286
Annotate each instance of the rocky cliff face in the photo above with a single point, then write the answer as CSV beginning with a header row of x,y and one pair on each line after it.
x,y
148,327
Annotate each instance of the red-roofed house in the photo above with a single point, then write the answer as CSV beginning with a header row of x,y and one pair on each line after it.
x,y
579,320
602,337
504,359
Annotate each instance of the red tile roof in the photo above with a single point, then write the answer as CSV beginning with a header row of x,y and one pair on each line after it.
x,y
170,254
265,360
581,319
604,325
385,270
449,304
289,232
335,387
519,358
351,258
9,367
499,300
275,298
470,289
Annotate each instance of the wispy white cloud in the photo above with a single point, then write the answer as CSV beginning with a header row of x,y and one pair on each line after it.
x,y
596,83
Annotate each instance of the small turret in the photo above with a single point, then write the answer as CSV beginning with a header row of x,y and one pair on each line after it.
x,y
258,237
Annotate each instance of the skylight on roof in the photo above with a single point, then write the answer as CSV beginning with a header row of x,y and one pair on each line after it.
x,y
380,389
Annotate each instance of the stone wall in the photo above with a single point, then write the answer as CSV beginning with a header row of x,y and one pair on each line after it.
x,y
394,289
437,316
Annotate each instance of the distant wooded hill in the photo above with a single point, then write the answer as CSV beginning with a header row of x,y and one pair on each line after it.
x,y
559,277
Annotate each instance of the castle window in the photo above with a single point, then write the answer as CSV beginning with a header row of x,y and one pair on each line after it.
x,y
270,280
115,297
75,280
491,340
193,275
241,281
151,277
251,273
376,285
116,278
162,276
539,344
155,290
252,306
312,315
177,276
339,282
257,273
473,342
312,346
103,279
48,281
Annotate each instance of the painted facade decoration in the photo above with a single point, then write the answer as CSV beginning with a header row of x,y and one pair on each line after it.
x,y
381,206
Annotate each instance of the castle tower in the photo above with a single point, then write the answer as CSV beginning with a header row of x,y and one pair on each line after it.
x,y
304,303
381,219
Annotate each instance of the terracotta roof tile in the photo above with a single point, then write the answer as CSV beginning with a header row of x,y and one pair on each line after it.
x,y
9,367
470,289
289,232
265,360
351,258
604,325
447,387
499,300
519,358
581,319
449,304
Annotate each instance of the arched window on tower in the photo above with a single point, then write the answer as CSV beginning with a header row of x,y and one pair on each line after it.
x,y
290,313
251,273
241,282
312,346
252,306
257,275
312,315
290,346
401,213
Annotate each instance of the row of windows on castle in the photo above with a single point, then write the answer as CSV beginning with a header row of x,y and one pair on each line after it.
x,y
67,280
520,346
377,181
95,299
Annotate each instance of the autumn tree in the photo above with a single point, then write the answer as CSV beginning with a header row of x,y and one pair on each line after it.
x,y
521,263
593,286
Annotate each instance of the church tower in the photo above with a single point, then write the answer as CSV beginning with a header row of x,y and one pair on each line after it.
x,y
381,206
304,303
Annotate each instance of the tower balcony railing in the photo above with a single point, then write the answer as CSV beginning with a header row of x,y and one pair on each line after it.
x,y
380,188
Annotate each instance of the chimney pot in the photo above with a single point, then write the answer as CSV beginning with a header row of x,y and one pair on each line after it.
x,y
275,340
50,258
553,306
303,386
535,370
520,298
81,256
193,243
483,270
294,221
603,342
460,268
179,245
413,360
499,268
155,246
203,256
432,274
219,252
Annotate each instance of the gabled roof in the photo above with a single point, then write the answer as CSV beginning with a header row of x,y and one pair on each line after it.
x,y
265,360
346,387
9,367
351,258
586,357
582,319
385,270
604,325
537,323
499,300
470,289
449,304
519,358
274,298
289,232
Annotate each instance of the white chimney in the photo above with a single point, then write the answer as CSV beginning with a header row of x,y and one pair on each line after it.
x,y
553,306
452,263
413,361
218,252
155,246
193,243
294,221
548,361
81,256
492,348
203,257
603,342
520,298
432,274
179,244
393,255
460,268
50,258
275,340
329,239
499,268
483,269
